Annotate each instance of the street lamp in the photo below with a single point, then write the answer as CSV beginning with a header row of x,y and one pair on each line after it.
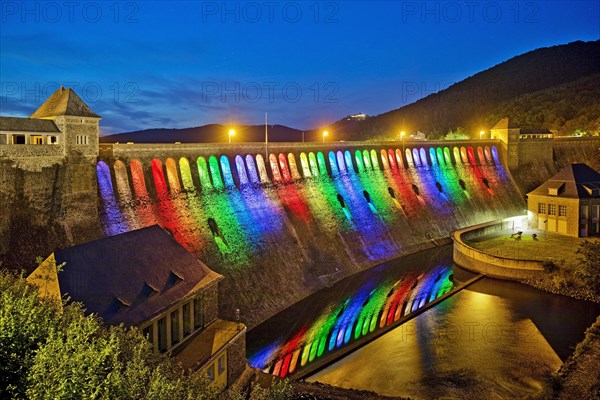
x,y
231,133
481,133
325,133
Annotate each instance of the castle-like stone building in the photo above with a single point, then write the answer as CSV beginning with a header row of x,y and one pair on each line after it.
x,y
64,122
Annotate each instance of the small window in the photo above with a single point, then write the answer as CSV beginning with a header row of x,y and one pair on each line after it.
x,y
18,139
541,208
210,372
221,364
187,319
175,327
162,334
562,211
82,139
148,333
551,209
198,312
3,139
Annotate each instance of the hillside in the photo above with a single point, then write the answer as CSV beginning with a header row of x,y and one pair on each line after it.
x,y
520,88
206,134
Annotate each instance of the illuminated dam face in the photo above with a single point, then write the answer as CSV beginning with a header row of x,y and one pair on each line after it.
x,y
291,222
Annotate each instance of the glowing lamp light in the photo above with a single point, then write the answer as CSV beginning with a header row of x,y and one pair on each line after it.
x,y
231,133
481,133
325,133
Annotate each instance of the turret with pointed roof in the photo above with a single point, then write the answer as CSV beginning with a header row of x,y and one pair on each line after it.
x,y
64,102
78,123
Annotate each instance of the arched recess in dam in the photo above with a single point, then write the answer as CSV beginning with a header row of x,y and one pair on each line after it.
x,y
280,220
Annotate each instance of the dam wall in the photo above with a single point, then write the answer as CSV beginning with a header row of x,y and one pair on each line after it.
x,y
47,201
279,220
541,160
283,221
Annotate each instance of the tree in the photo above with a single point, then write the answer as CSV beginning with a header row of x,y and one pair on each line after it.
x,y
51,352
25,322
588,266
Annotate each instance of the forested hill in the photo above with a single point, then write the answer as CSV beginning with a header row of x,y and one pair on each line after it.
x,y
212,133
554,87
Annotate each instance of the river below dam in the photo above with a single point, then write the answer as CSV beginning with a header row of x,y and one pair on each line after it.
x,y
492,339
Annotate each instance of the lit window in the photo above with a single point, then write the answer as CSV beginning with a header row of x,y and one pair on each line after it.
x,y
541,208
551,209
81,139
562,211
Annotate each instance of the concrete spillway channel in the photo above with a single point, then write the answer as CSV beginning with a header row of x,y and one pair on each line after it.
x,y
332,357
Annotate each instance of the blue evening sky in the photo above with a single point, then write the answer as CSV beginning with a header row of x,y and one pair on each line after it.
x,y
151,64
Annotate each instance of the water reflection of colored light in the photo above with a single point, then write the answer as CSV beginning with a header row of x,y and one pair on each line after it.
x,y
354,317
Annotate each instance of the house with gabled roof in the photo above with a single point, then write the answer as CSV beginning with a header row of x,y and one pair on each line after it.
x,y
145,278
568,203
63,120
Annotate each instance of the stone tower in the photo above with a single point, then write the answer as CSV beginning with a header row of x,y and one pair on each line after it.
x,y
509,136
76,120
77,208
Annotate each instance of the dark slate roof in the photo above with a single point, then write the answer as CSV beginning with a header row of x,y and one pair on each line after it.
x,y
15,124
132,277
577,180
505,123
64,102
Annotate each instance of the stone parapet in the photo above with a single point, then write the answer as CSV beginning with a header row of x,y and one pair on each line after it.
x,y
479,261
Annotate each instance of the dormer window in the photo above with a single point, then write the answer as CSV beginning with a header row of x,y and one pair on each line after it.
x,y
555,188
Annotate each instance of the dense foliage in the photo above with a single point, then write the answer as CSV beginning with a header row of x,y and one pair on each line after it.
x,y
588,267
53,352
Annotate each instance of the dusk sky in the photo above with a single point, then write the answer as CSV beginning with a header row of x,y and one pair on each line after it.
x,y
153,64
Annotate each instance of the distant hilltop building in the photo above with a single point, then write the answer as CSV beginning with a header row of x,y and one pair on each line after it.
x,y
417,136
64,125
357,117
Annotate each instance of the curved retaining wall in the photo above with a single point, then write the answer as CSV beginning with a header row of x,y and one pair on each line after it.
x,y
481,262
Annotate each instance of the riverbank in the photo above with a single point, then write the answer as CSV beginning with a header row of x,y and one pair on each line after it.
x,y
322,391
579,376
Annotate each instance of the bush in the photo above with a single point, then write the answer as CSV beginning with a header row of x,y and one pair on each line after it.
x,y
588,265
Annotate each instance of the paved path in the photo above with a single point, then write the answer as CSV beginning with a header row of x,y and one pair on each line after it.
x,y
546,246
